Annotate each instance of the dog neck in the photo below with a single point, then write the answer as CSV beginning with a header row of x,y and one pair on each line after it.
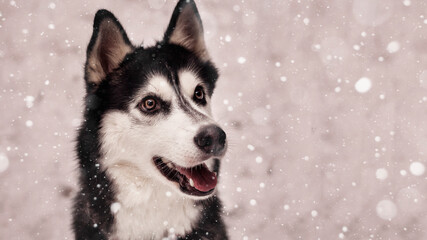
x,y
149,210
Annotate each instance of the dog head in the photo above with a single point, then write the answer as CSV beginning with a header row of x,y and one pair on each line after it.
x,y
153,104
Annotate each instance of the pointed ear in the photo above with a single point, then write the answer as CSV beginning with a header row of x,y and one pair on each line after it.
x,y
186,29
107,48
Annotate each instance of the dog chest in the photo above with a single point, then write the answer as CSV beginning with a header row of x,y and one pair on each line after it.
x,y
152,212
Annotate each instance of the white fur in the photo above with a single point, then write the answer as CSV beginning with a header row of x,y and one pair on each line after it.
x,y
149,209
158,84
189,82
151,204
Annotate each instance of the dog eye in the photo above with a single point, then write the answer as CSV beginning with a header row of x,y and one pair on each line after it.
x,y
149,105
199,95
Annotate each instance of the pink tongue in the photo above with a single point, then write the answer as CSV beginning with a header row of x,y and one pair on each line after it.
x,y
204,180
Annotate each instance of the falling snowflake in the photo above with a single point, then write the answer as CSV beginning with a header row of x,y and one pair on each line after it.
x,y
363,85
417,168
393,47
4,162
386,209
241,60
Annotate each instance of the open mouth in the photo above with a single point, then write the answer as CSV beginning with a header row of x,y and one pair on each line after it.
x,y
196,181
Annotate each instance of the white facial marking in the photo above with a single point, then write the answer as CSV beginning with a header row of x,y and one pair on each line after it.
x,y
160,86
130,139
189,81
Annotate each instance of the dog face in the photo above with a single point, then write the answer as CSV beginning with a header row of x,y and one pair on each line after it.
x,y
153,104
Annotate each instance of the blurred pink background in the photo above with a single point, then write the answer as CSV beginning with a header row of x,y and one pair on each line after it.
x,y
324,102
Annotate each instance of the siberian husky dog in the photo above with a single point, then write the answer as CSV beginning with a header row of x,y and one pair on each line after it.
x,y
148,149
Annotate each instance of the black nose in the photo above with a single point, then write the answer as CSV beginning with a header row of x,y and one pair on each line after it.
x,y
211,139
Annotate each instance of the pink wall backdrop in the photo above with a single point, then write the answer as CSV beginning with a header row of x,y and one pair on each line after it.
x,y
324,102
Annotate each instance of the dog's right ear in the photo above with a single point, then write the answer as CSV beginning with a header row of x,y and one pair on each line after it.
x,y
106,50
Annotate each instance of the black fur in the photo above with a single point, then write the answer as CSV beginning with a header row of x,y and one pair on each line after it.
x,y
92,218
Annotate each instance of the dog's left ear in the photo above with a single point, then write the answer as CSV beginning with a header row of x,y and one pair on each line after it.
x,y
186,29
107,48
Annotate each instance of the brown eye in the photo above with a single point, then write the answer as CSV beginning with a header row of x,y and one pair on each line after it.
x,y
149,104
199,93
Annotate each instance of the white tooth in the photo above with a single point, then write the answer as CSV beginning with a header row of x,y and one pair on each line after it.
x,y
191,182
170,165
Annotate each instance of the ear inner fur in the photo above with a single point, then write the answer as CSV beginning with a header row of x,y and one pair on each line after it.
x,y
108,47
186,29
